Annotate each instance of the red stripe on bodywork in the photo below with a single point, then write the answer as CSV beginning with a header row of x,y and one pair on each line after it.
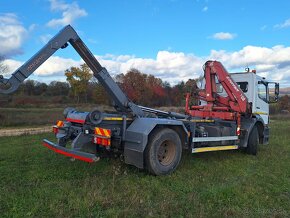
x,y
75,120
86,159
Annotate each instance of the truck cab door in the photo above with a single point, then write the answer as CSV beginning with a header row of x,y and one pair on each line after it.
x,y
262,106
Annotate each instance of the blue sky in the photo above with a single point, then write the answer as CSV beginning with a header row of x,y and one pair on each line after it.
x,y
167,38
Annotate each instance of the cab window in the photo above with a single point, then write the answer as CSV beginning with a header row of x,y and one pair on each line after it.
x,y
243,86
262,91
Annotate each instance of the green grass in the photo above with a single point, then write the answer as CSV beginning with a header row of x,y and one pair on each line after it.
x,y
37,182
15,117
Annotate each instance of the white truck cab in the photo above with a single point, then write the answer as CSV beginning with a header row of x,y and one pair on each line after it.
x,y
257,90
260,93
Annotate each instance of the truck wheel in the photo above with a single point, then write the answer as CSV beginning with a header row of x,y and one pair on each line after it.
x,y
163,152
253,141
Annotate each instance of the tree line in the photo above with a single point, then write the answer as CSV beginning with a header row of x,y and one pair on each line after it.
x,y
82,87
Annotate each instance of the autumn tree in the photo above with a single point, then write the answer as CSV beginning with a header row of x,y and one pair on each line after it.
x,y
134,85
97,93
28,87
57,88
78,78
100,96
142,88
158,94
284,103
191,87
177,94
151,91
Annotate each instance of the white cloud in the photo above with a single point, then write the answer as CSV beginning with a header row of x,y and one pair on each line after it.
x,y
11,65
12,35
205,9
273,62
58,5
285,24
223,36
55,65
70,12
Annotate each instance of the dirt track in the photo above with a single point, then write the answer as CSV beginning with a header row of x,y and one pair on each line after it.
x,y
25,131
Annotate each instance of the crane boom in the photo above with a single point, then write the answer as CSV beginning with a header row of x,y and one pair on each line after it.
x,y
60,40
229,107
235,100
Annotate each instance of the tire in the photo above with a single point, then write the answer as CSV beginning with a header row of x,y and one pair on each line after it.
x,y
253,141
163,152
95,117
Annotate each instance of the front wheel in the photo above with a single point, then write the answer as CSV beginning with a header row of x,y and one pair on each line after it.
x,y
163,152
253,141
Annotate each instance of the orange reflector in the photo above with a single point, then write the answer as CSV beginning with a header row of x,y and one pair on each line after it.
x,y
59,123
103,132
102,136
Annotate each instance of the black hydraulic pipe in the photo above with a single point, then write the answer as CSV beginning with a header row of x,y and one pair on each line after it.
x,y
164,113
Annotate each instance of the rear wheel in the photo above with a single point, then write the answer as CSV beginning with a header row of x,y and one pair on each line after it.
x,y
253,141
163,152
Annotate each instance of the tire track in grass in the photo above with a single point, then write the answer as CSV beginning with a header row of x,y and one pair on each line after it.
x,y
25,131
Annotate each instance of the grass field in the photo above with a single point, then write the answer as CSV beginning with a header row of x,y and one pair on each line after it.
x,y
37,182
15,117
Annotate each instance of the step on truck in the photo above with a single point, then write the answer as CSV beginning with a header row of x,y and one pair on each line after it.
x,y
233,113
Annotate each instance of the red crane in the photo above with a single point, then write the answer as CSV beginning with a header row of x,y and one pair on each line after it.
x,y
229,107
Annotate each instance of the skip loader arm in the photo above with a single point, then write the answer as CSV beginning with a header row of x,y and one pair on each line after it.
x,y
61,40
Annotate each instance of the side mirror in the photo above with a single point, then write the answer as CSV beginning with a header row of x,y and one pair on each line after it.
x,y
277,89
273,89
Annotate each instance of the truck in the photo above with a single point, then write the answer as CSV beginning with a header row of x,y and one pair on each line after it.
x,y
233,113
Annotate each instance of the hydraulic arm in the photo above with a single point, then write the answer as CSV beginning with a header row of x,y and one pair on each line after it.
x,y
235,100
229,107
68,34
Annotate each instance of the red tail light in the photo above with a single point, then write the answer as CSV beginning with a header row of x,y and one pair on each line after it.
x,y
55,129
102,141
238,131
102,137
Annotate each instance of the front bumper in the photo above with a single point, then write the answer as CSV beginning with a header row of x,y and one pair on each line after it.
x,y
83,156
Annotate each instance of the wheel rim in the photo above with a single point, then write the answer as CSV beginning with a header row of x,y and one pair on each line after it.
x,y
166,152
